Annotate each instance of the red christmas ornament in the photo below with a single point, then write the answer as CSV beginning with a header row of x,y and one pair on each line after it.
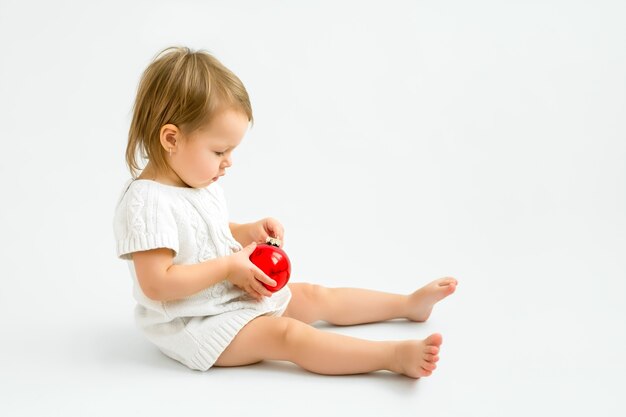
x,y
272,260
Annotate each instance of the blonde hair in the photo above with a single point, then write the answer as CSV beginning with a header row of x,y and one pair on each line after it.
x,y
184,88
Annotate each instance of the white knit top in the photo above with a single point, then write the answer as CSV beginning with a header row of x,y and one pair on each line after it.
x,y
193,222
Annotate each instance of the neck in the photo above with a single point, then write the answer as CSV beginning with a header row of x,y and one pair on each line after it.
x,y
168,178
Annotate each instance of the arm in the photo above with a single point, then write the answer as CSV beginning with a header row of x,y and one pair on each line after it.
x,y
160,280
257,231
241,233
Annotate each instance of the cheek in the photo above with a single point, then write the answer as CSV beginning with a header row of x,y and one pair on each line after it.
x,y
204,163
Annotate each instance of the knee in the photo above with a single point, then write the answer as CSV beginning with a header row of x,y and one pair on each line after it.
x,y
314,293
291,331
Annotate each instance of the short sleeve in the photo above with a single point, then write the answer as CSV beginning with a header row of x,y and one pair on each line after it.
x,y
144,219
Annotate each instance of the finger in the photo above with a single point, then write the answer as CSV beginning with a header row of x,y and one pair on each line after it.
x,y
263,277
262,290
259,293
254,293
251,247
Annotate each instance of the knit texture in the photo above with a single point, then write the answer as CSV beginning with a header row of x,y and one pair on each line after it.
x,y
192,222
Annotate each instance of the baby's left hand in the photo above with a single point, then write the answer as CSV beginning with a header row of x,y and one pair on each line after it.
x,y
267,227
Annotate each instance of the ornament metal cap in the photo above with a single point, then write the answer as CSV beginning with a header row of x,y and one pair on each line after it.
x,y
274,241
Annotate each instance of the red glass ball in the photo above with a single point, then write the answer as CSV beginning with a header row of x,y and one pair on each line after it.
x,y
274,262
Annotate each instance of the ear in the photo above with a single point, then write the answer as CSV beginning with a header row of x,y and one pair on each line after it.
x,y
169,136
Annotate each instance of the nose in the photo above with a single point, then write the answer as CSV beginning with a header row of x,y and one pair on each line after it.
x,y
228,162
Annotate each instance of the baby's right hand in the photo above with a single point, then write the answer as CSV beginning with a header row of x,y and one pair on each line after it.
x,y
246,275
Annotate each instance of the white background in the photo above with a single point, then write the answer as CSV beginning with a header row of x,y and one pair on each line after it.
x,y
397,142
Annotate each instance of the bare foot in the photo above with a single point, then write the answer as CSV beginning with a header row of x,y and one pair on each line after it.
x,y
417,358
421,302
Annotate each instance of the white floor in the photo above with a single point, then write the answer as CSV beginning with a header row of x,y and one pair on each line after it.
x,y
553,347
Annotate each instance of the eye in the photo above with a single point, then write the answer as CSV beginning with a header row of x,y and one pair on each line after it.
x,y
220,153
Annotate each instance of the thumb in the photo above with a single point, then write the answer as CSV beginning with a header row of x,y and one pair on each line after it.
x,y
250,247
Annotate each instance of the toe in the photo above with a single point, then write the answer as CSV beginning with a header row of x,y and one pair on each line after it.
x,y
431,358
434,339
447,281
424,372
427,366
425,369
432,350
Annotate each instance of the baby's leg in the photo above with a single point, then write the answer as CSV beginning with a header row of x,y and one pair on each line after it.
x,y
287,339
347,306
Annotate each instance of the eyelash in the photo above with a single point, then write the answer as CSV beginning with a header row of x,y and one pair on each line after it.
x,y
220,153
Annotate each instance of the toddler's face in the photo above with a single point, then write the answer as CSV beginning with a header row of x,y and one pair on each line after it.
x,y
201,159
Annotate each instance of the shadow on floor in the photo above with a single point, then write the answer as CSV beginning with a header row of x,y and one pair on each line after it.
x,y
122,345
